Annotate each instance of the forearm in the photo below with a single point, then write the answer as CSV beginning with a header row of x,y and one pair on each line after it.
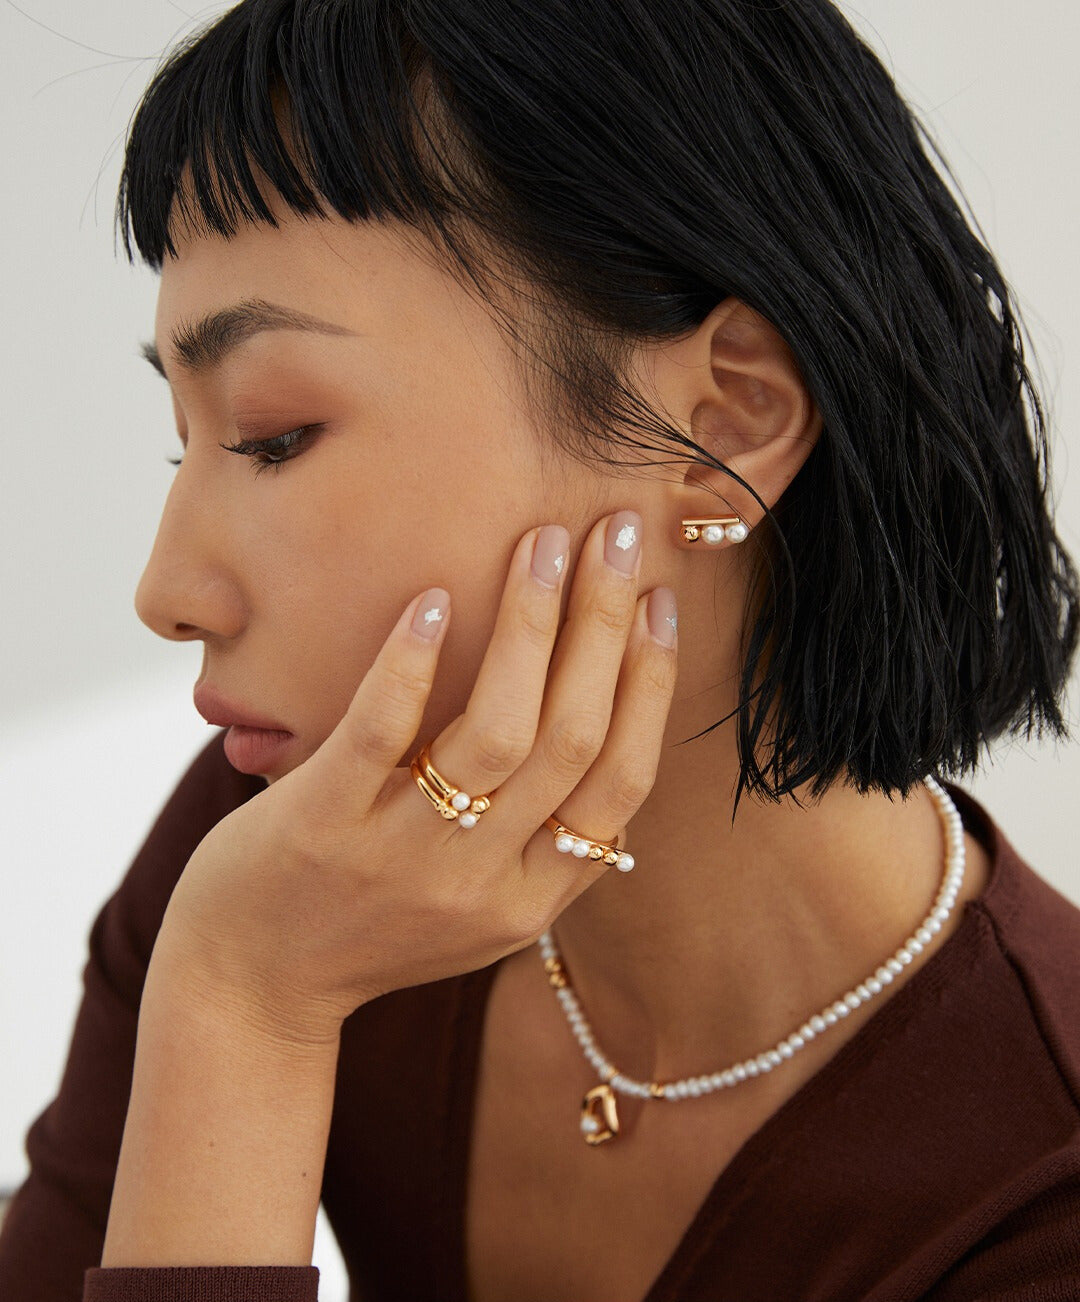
x,y
224,1145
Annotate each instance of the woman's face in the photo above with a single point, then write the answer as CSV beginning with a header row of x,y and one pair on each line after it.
x,y
425,470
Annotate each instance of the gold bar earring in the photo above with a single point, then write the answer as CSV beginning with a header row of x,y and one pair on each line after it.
x,y
714,529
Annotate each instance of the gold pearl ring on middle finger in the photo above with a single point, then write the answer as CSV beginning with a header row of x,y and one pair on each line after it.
x,y
450,801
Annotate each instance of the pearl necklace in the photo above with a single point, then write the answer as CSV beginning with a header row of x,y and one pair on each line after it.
x,y
599,1119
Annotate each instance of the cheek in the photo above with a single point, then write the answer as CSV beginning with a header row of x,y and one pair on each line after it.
x,y
356,542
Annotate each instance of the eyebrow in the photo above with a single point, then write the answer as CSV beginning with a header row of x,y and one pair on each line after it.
x,y
204,344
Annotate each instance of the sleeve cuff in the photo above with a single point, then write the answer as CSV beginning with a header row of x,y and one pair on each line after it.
x,y
201,1284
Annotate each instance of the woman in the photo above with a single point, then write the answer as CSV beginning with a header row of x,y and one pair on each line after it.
x,y
569,313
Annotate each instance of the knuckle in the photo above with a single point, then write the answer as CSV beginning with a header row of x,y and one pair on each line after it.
x,y
573,742
309,843
321,845
536,625
463,899
631,781
495,749
612,612
403,686
383,729
658,673
378,739
526,919
530,922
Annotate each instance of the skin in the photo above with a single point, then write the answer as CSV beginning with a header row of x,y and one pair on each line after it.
x,y
724,938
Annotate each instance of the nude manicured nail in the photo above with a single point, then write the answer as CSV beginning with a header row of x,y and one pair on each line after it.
x,y
549,554
623,542
663,619
430,613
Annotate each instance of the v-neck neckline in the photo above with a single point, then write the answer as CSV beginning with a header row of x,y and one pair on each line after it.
x,y
463,1061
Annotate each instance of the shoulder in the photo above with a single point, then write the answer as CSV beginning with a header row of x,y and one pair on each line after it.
x,y
1035,932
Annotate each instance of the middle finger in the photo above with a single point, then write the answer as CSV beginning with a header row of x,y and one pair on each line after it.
x,y
583,674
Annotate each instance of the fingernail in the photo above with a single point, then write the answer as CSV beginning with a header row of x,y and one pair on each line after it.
x,y
623,541
549,554
663,619
430,613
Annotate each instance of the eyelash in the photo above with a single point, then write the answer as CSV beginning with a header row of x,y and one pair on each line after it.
x,y
255,448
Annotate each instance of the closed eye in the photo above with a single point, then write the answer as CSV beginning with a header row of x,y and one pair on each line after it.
x,y
264,452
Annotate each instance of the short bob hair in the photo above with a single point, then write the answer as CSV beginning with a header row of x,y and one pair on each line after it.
x,y
630,165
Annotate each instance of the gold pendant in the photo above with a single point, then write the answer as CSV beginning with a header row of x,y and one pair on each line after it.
x,y
599,1120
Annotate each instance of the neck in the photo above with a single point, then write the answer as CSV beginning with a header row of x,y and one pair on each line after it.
x,y
723,939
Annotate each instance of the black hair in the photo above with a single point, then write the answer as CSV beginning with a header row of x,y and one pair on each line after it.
x,y
631,165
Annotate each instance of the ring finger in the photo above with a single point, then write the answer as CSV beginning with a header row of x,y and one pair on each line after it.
x,y
486,743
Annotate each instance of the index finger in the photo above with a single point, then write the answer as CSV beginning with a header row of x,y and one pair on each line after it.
x,y
386,710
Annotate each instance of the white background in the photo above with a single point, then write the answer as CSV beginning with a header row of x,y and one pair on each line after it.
x,y
95,711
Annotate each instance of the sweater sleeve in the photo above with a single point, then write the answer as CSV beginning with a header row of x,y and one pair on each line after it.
x,y
201,1284
1031,1255
52,1236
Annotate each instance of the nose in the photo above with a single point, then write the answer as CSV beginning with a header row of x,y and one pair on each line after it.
x,y
188,588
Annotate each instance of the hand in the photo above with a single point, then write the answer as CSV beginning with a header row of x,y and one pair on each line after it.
x,y
340,882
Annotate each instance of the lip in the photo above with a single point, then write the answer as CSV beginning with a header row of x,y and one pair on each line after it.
x,y
216,709
255,750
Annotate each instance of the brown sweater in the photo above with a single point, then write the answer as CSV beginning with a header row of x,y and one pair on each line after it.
x,y
935,1156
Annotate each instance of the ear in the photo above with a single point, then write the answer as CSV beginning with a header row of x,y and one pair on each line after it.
x,y
735,383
